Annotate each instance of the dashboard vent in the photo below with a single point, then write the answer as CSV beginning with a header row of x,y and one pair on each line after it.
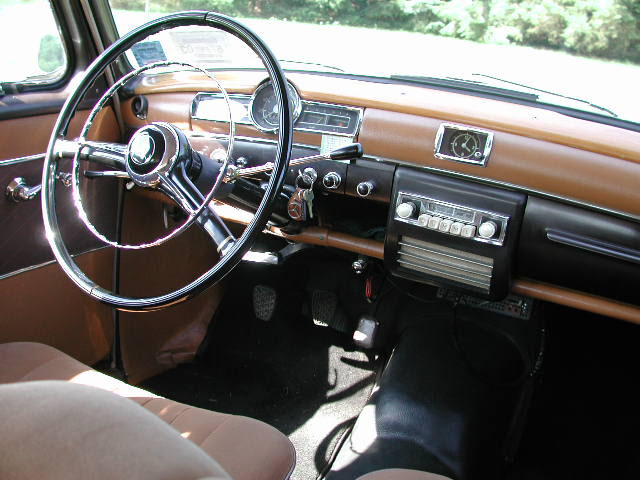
x,y
446,263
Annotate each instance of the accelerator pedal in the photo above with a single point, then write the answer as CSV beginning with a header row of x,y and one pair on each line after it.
x,y
264,302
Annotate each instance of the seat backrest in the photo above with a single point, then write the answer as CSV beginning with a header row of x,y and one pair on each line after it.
x,y
58,430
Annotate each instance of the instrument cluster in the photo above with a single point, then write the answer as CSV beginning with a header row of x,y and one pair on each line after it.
x,y
261,110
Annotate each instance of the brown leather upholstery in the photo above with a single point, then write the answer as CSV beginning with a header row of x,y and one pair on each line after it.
x,y
247,449
108,437
401,474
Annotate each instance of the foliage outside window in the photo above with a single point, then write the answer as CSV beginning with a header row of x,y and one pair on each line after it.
x,y
557,52
602,28
33,51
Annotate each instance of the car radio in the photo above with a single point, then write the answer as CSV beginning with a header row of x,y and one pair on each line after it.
x,y
452,233
451,219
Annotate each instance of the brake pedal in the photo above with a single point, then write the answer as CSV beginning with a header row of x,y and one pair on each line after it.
x,y
326,312
264,302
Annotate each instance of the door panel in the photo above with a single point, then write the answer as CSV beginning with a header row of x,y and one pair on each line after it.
x,y
41,304
23,243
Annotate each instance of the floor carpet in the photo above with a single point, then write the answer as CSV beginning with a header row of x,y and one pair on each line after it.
x,y
307,381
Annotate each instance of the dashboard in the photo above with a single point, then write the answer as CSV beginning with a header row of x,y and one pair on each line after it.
x,y
469,193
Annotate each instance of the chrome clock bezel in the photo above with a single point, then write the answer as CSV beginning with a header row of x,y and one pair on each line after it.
x,y
437,151
296,111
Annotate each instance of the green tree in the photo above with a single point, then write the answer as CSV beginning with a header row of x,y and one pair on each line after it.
x,y
51,54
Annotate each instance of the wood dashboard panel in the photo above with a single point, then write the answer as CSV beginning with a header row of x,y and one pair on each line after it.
x,y
534,149
493,114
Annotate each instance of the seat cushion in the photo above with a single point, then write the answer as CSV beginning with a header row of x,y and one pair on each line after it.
x,y
401,474
118,438
226,438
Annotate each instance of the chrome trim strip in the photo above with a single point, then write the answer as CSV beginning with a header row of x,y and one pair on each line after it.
x,y
439,263
510,186
595,246
476,262
44,264
18,160
446,275
440,136
222,136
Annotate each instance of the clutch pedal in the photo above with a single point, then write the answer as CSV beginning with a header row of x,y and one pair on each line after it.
x,y
264,302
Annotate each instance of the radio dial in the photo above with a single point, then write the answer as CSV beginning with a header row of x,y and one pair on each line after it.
x,y
405,210
487,229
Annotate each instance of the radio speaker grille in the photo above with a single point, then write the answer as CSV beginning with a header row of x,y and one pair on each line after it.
x,y
450,264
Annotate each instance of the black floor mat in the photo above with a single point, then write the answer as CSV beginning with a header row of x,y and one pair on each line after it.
x,y
584,418
304,380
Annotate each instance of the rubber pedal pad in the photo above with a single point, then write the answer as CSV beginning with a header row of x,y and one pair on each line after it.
x,y
264,299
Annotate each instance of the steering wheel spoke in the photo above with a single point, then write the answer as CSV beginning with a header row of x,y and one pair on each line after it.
x,y
181,190
105,153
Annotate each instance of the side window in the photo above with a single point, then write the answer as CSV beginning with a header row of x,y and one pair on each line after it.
x,y
33,51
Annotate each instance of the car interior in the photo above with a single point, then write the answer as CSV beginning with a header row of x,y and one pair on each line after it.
x,y
268,273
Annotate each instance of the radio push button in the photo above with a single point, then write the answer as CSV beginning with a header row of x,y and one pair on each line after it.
x,y
434,223
445,225
468,231
423,219
456,228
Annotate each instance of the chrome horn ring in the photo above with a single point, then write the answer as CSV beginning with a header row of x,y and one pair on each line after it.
x,y
234,253
156,176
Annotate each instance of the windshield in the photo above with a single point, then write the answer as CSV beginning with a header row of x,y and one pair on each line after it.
x,y
581,54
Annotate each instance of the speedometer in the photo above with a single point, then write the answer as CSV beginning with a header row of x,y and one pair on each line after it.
x,y
264,111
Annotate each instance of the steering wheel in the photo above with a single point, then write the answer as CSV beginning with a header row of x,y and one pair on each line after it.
x,y
159,157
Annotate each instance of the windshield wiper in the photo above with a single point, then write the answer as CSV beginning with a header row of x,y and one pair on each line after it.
x,y
535,89
299,62
468,85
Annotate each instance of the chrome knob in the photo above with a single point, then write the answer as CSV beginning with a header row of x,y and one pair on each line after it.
x,y
364,189
487,229
405,210
332,180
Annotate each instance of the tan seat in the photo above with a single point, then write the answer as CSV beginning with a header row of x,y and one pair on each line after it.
x,y
401,474
247,449
108,437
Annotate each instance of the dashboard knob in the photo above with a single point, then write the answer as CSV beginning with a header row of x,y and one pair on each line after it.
x,y
405,210
487,229
332,180
364,189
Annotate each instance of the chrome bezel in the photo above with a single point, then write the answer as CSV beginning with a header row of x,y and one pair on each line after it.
x,y
295,114
463,128
356,131
200,96
303,103
478,212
